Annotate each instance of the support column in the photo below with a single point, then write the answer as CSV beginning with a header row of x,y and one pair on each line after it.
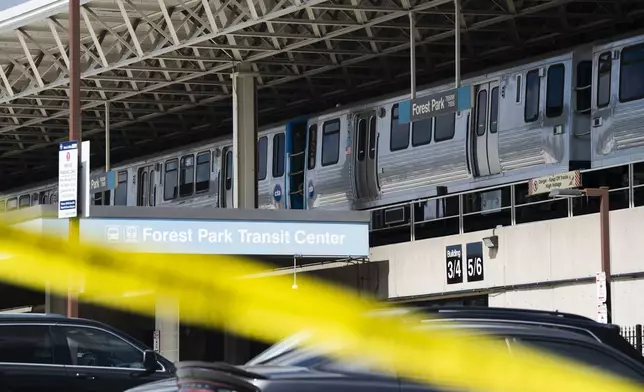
x,y
236,349
167,323
244,138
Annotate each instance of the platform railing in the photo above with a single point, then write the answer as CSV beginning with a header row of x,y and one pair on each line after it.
x,y
505,205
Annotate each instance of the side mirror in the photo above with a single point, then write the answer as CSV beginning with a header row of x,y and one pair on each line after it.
x,y
150,361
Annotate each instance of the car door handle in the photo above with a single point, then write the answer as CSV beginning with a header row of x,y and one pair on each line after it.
x,y
85,376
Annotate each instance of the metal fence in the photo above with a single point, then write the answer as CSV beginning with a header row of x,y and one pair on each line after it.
x,y
633,335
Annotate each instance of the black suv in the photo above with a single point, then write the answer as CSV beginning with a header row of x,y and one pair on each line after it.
x,y
52,353
288,367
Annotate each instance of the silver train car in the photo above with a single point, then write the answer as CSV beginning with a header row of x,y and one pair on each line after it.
x,y
572,110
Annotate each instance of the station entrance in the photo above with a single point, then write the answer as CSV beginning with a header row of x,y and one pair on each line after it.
x,y
333,246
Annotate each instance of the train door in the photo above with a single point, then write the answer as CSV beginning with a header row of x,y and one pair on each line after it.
x,y
144,185
226,185
296,141
485,137
366,156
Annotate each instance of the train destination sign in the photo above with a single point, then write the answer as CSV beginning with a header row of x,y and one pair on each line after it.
x,y
102,182
429,106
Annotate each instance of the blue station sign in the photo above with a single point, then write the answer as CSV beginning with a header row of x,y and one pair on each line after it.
x,y
429,106
233,237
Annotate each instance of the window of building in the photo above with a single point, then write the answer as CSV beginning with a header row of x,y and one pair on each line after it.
x,y
584,81
494,110
555,90
97,348
444,127
26,344
604,67
313,145
532,96
187,176
202,183
421,132
279,151
262,156
120,193
399,136
170,181
631,73
330,142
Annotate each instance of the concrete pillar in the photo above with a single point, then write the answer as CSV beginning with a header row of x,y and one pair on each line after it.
x,y
55,304
244,138
167,323
236,350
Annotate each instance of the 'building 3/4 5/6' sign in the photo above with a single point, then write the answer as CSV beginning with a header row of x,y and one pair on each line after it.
x,y
470,265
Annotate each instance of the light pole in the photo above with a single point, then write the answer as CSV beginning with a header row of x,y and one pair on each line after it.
x,y
604,228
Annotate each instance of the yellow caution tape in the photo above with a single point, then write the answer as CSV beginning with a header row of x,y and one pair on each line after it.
x,y
213,292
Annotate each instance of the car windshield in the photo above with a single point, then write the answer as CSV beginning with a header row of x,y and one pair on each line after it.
x,y
279,349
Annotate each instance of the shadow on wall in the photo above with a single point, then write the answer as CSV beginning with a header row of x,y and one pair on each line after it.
x,y
371,278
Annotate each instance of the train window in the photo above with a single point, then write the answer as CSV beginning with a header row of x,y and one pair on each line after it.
x,y
444,127
372,137
98,198
399,136
229,170
278,155
120,194
313,145
24,201
12,204
362,139
330,142
555,90
143,187
35,200
604,66
152,190
170,190
481,112
421,132
518,92
262,153
187,176
203,172
584,81
532,96
2,205
631,74
494,110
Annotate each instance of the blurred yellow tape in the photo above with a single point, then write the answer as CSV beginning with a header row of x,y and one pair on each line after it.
x,y
213,292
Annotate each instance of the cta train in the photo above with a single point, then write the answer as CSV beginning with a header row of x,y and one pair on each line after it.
x,y
582,108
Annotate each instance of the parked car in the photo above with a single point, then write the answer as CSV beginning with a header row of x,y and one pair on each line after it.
x,y
286,366
53,353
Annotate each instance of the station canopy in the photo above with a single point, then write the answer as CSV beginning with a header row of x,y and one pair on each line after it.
x,y
164,65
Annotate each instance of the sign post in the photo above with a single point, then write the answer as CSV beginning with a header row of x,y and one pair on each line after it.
x,y
68,179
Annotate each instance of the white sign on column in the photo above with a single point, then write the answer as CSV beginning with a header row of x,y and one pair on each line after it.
x,y
84,183
68,179
602,309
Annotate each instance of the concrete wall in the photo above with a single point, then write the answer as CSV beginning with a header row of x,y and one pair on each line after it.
x,y
545,265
